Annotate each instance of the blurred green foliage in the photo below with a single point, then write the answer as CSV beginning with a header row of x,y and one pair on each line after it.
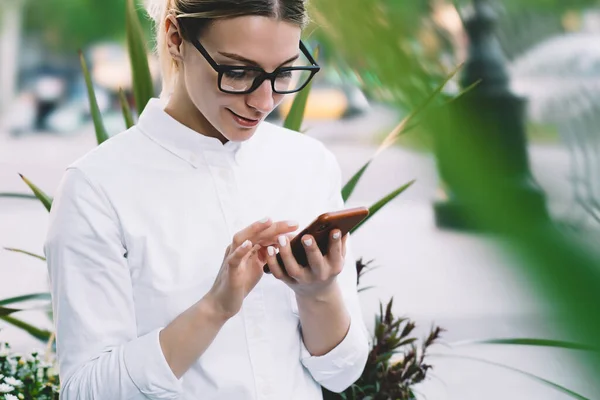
x,y
69,25
556,264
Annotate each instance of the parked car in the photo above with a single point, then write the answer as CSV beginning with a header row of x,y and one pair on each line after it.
x,y
331,97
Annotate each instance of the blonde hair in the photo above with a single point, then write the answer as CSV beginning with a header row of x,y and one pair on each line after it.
x,y
205,11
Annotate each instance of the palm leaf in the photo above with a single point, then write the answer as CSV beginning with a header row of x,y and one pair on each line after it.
x,y
18,195
402,127
529,342
519,371
101,133
365,288
381,203
38,333
125,109
39,194
5,311
23,298
351,184
295,116
25,252
142,79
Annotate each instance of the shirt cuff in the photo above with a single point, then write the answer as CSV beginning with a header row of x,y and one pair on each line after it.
x,y
149,370
344,364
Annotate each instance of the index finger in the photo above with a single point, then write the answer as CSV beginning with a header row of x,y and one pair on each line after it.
x,y
250,231
269,236
264,232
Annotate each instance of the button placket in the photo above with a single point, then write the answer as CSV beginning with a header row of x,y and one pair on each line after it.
x,y
255,316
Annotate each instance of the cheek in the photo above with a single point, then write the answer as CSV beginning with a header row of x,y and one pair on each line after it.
x,y
203,91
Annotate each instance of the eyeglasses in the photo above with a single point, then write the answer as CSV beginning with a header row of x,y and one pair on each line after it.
x,y
246,79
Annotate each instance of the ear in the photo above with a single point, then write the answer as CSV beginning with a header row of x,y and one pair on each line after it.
x,y
174,38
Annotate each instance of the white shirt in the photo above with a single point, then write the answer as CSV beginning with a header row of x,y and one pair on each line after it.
x,y
137,234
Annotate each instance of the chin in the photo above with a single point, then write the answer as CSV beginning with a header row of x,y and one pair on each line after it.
x,y
237,134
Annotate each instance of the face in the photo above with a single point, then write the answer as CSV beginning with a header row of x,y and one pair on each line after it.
x,y
249,40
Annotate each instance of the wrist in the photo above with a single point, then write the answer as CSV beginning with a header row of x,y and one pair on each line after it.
x,y
325,295
208,307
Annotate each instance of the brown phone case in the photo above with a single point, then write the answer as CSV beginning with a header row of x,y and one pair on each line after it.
x,y
320,229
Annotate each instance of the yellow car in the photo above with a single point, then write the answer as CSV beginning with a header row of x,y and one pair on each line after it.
x,y
329,99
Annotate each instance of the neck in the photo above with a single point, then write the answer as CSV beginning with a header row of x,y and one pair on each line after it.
x,y
181,108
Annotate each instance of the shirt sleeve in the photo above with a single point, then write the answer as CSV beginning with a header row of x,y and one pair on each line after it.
x,y
100,355
342,366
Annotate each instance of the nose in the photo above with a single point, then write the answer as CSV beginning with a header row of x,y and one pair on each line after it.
x,y
262,98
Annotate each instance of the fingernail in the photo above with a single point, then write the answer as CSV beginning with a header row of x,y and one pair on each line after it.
x,y
264,220
337,235
245,244
271,250
282,240
292,223
308,242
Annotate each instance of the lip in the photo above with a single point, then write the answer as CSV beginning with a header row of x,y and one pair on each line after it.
x,y
242,121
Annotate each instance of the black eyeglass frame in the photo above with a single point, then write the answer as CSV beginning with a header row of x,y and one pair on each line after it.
x,y
263,75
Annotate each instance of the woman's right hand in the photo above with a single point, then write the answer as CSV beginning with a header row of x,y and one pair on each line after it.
x,y
243,263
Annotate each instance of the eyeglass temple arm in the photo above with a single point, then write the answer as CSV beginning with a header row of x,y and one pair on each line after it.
x,y
304,49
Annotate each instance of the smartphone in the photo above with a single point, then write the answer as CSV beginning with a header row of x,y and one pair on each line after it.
x,y
320,229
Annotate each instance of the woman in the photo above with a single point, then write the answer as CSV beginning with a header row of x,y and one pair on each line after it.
x,y
146,304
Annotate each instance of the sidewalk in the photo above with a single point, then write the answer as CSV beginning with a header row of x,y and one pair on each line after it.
x,y
458,281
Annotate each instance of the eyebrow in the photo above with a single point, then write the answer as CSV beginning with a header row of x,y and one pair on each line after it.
x,y
254,63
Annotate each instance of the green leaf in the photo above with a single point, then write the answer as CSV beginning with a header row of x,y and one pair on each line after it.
x,y
18,196
365,288
27,297
38,333
295,116
381,203
101,133
527,374
138,55
4,311
25,252
529,342
401,128
351,184
39,194
125,109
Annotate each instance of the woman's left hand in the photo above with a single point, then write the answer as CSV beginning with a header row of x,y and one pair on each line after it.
x,y
318,277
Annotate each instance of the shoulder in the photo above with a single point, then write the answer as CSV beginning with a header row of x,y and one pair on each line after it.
x,y
110,151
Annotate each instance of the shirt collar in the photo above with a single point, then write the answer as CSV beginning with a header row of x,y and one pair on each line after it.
x,y
182,141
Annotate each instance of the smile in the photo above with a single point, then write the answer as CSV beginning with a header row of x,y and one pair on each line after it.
x,y
243,121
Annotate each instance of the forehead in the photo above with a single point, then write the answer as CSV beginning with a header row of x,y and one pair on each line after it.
x,y
265,40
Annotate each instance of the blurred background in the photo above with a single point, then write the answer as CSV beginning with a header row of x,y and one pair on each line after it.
x,y
535,63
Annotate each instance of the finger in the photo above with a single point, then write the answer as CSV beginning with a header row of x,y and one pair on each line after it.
x,y
292,268
316,261
262,255
250,232
240,253
252,254
344,240
269,236
275,268
335,258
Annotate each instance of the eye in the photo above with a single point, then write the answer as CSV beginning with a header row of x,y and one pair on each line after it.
x,y
236,74
285,75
